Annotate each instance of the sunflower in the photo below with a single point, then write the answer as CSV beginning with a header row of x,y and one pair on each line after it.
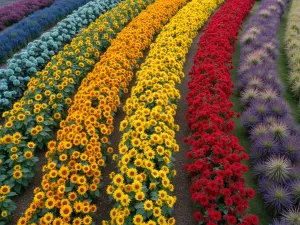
x,y
77,221
87,220
4,213
118,194
136,186
48,217
38,97
118,179
64,172
31,145
17,174
171,221
5,189
162,194
58,221
65,211
120,220
138,219
39,119
82,189
28,154
140,196
14,149
72,196
148,205
152,186
34,131
131,173
125,200
21,117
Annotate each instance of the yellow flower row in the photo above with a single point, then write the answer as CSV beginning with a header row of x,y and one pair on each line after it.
x,y
29,125
73,172
142,187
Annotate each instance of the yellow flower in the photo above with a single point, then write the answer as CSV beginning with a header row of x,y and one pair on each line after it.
x,y
118,179
156,211
140,196
4,213
5,189
148,205
65,211
138,219
28,154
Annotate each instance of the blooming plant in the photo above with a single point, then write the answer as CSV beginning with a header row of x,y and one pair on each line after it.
x,y
30,124
141,189
292,42
38,53
15,12
218,187
275,151
73,172
18,35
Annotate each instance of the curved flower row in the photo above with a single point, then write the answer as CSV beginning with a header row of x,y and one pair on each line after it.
x,y
292,42
15,12
141,189
31,122
218,187
275,150
75,160
38,53
18,35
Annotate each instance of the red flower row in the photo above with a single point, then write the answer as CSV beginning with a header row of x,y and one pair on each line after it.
x,y
218,189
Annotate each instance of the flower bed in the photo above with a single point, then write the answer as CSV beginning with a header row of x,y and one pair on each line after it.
x,y
31,123
38,53
218,187
292,42
141,189
17,11
275,150
73,172
18,35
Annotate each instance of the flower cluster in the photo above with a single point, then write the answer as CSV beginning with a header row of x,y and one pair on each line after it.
x,y
142,187
15,12
275,150
29,125
218,187
75,160
292,42
38,53
18,35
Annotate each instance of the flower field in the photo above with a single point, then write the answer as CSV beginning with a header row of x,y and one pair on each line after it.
x,y
150,112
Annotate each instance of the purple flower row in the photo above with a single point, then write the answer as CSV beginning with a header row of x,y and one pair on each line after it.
x,y
17,11
275,149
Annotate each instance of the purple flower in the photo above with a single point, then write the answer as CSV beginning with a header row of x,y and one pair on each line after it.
x,y
278,197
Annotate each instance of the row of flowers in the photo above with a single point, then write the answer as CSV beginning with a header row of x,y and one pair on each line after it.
x,y
15,12
292,44
38,53
218,187
73,172
275,150
18,35
30,124
142,188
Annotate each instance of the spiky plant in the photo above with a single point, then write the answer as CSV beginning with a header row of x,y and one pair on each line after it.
x,y
266,145
268,94
295,189
248,95
292,216
279,129
278,168
259,130
278,198
291,148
